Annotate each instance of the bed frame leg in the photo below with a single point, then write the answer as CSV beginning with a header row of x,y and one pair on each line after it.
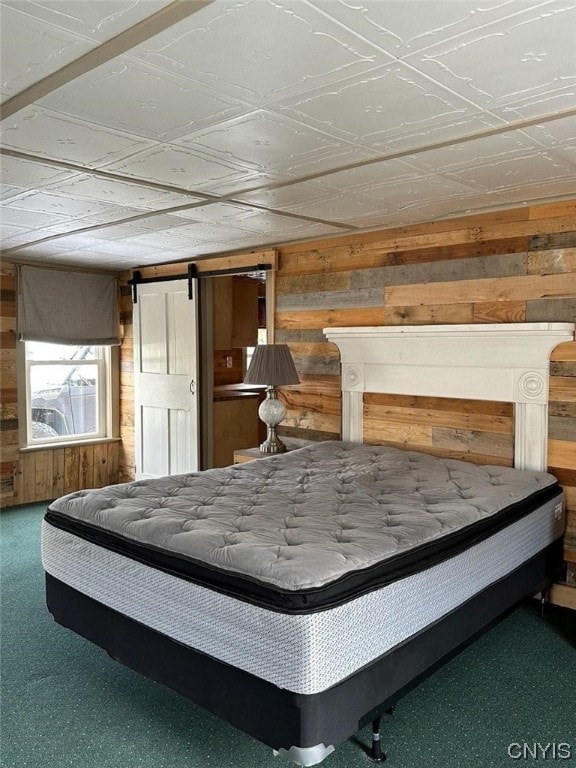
x,y
376,754
544,601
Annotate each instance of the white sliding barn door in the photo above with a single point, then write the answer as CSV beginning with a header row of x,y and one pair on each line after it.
x,y
165,379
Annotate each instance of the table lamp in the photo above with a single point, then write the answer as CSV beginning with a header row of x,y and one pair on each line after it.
x,y
273,366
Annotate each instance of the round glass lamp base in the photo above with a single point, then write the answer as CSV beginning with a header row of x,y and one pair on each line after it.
x,y
272,411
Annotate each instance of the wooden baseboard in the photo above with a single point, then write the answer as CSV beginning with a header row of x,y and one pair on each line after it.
x,y
563,595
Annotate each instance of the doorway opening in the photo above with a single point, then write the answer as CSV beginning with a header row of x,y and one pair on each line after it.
x,y
234,319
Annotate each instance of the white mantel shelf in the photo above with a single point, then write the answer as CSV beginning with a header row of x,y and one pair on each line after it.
x,y
507,362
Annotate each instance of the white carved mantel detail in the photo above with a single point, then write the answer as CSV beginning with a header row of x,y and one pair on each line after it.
x,y
508,362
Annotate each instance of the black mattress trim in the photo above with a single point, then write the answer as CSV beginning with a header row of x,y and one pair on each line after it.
x,y
281,718
341,590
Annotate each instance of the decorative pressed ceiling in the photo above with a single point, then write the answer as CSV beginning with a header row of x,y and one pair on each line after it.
x,y
140,131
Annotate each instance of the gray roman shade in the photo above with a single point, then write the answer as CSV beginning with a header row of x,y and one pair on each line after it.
x,y
64,307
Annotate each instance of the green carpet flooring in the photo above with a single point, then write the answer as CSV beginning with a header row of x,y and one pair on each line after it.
x,y
66,703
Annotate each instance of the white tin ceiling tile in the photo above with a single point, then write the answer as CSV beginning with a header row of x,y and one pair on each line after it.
x,y
51,248
25,174
346,207
159,241
244,220
32,49
420,137
291,194
70,226
367,176
191,249
385,105
124,248
7,192
184,168
266,141
202,230
275,225
120,231
246,183
431,210
41,258
566,156
304,231
403,194
139,227
64,206
261,50
381,218
540,191
403,28
120,193
556,133
529,54
94,20
29,219
482,151
160,222
542,103
109,215
12,234
142,100
502,173
217,212
479,203
62,242
50,135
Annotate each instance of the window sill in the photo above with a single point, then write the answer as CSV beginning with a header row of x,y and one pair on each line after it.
x,y
69,444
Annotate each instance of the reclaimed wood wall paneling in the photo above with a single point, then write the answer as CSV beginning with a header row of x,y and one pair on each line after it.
x,y
518,266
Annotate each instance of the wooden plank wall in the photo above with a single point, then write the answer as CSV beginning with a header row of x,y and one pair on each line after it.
x,y
44,474
9,450
511,266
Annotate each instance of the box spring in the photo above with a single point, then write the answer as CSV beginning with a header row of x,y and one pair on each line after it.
x,y
280,718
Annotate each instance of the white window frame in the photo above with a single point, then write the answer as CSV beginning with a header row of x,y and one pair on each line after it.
x,y
108,389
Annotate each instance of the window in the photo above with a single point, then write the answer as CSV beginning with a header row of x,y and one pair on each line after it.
x,y
262,338
67,393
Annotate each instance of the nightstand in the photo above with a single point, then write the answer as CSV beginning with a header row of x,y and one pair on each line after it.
x,y
241,455
249,454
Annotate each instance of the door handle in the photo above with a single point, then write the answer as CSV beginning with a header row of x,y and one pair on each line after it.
x,y
192,387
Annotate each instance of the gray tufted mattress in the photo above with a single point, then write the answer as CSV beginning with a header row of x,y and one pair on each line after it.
x,y
304,569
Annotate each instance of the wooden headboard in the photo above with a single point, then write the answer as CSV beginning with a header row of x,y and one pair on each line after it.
x,y
505,362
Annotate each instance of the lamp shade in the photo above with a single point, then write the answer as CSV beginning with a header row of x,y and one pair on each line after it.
x,y
272,365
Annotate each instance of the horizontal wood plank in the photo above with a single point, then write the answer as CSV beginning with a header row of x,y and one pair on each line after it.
x,y
443,418
565,352
563,595
490,407
471,441
401,433
550,210
499,312
555,261
562,453
563,388
307,419
518,288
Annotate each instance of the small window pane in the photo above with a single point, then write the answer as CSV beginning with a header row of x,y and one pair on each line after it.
x,y
64,400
